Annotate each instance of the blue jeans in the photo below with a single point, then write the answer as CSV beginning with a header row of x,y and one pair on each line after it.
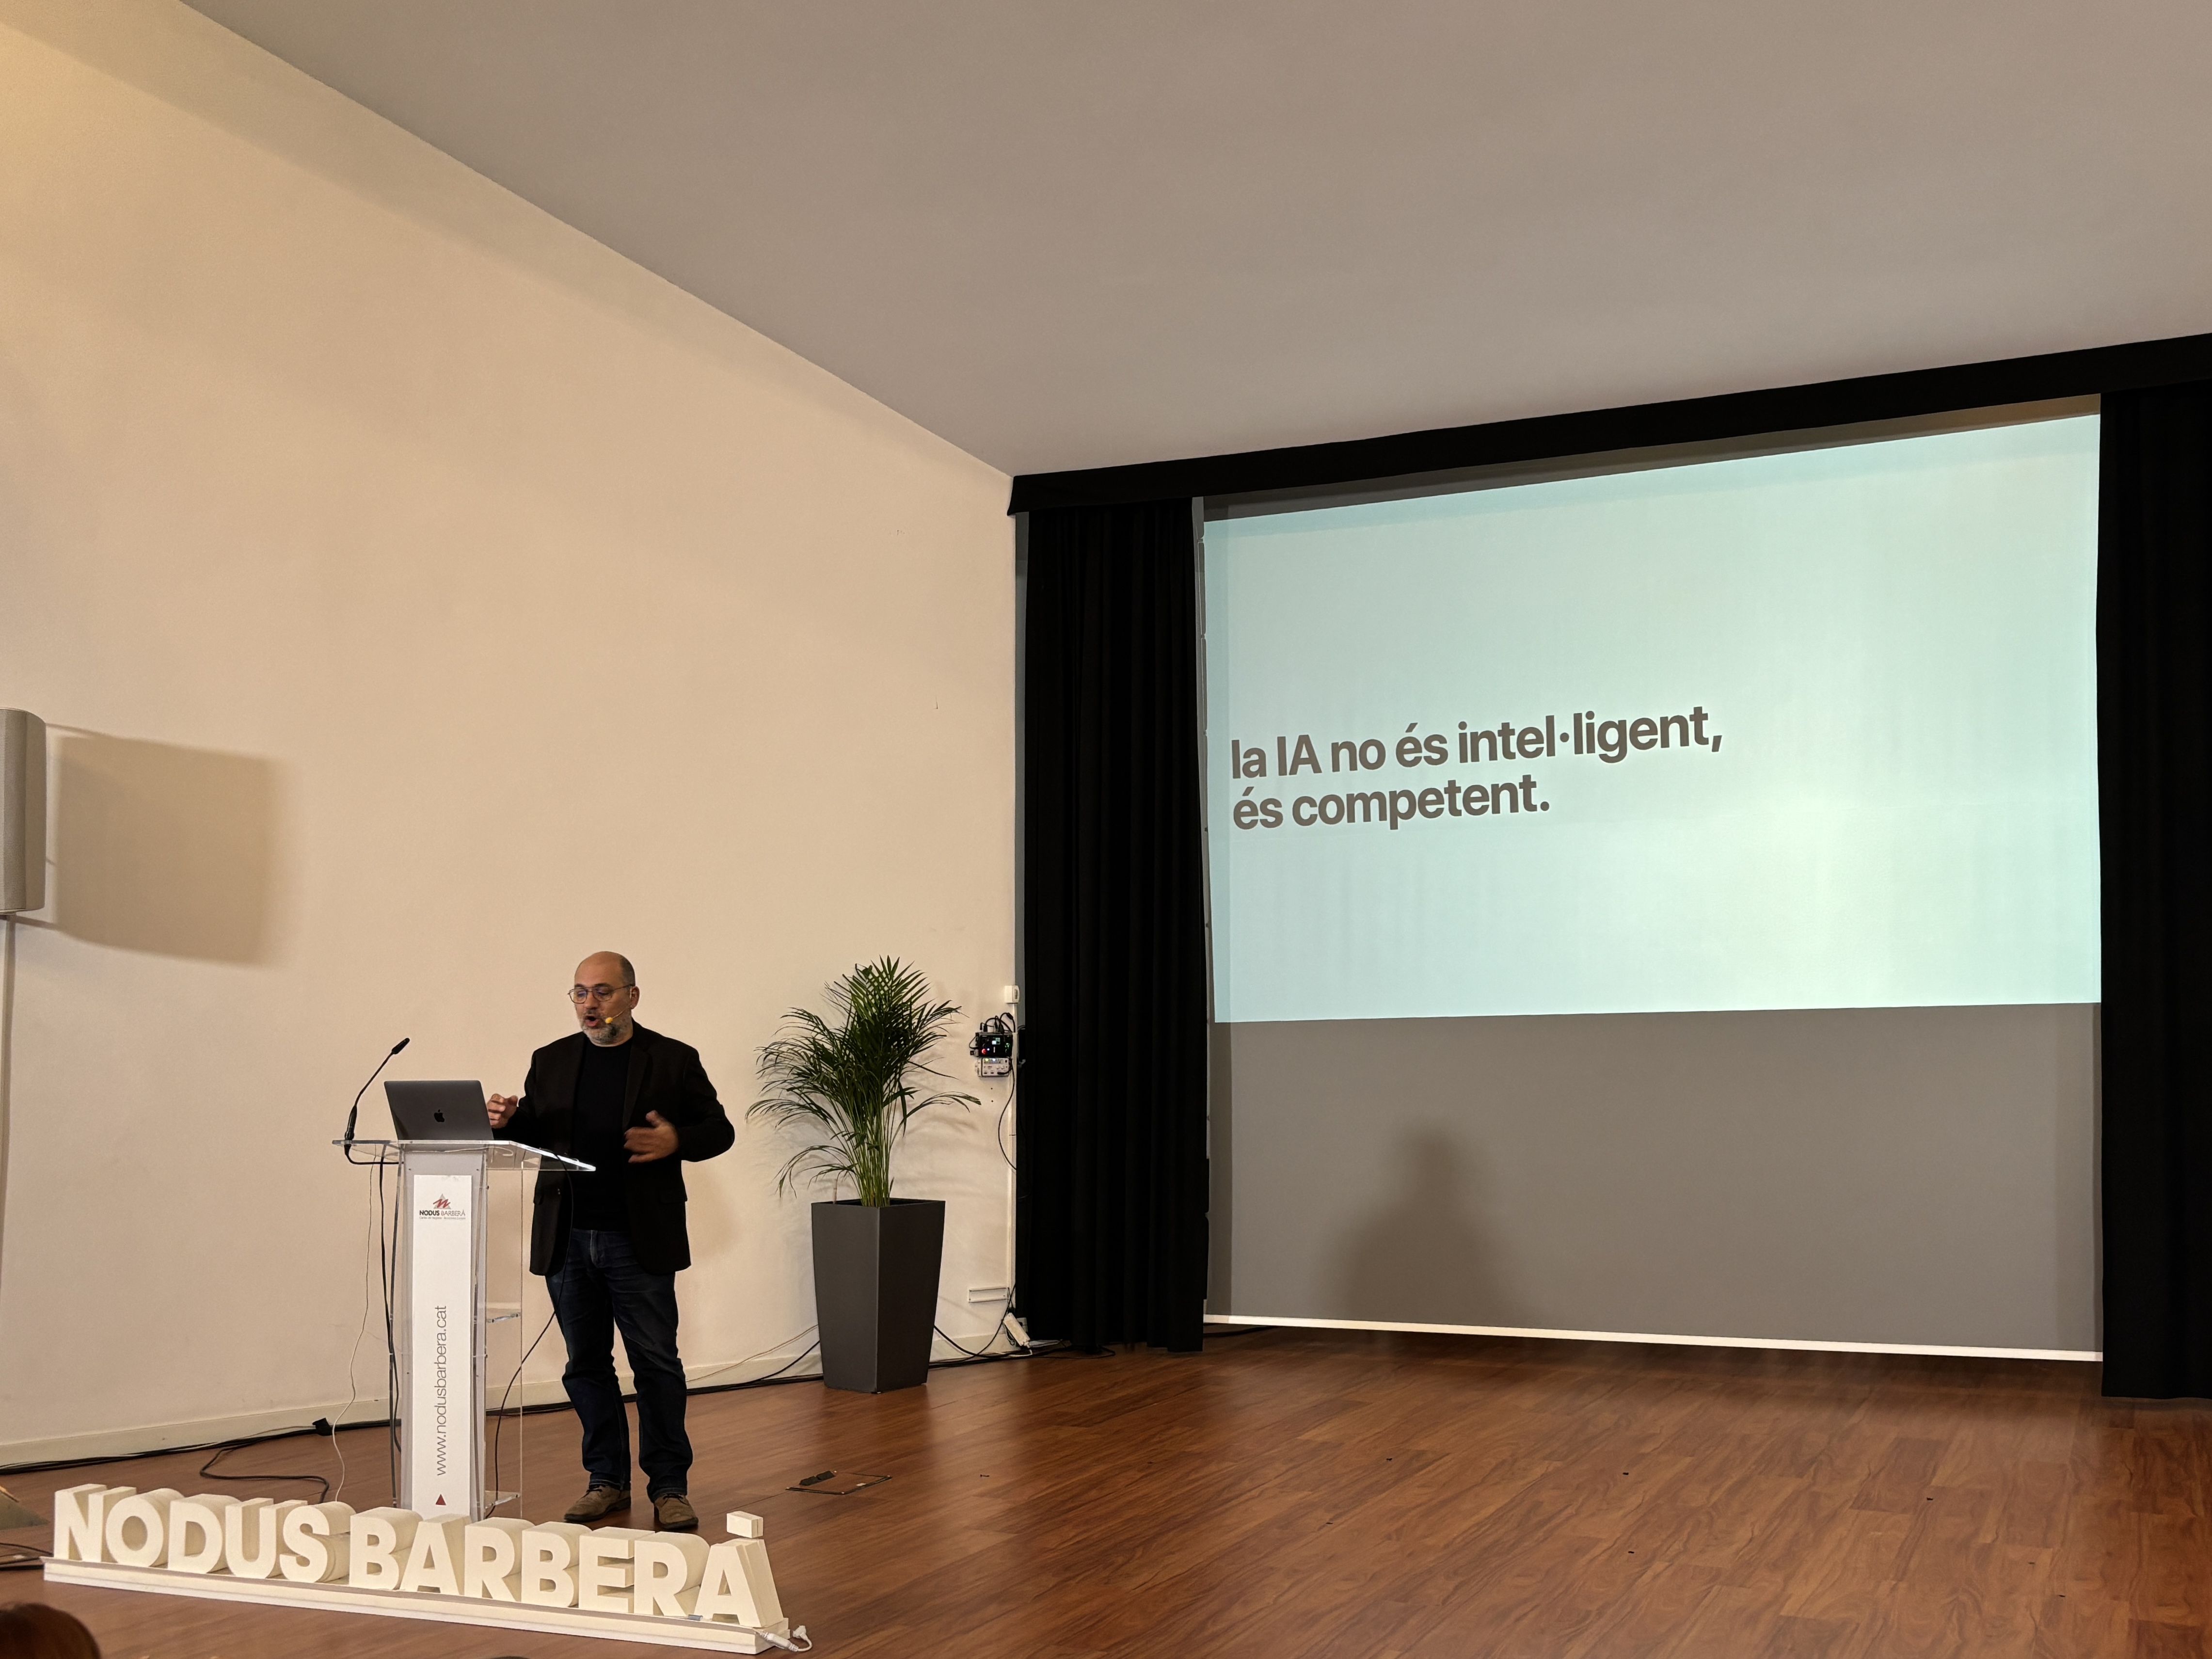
x,y
598,1287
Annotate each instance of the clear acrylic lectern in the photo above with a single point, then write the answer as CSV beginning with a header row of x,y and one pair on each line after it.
x,y
438,1314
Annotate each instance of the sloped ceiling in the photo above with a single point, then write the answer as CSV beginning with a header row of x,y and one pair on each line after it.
x,y
1065,234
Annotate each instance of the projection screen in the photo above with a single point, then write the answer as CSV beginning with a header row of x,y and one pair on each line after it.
x,y
1663,899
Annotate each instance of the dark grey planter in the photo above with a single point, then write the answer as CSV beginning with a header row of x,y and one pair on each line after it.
x,y
875,1291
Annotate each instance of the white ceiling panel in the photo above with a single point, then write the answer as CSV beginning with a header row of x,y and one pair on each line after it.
x,y
1066,235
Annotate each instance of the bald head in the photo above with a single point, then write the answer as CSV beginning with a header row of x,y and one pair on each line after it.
x,y
605,995
607,967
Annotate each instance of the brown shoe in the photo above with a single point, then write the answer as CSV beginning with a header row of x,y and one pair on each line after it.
x,y
672,1512
597,1503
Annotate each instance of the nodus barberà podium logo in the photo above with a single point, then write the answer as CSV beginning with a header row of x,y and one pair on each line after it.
x,y
442,1209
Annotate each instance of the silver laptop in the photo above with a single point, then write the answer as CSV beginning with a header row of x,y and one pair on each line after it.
x,y
438,1111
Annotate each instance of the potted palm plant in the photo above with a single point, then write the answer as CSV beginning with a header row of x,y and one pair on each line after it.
x,y
850,1085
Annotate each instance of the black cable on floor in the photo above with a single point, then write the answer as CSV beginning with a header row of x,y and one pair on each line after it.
x,y
774,1378
208,1472
1034,1350
770,1377
292,1433
983,1352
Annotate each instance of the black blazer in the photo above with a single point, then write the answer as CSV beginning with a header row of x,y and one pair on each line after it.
x,y
665,1077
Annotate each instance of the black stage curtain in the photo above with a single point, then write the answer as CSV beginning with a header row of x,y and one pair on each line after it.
x,y
1111,1243
2100,369
2154,737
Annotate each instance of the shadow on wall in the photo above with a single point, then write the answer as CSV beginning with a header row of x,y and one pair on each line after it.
x,y
1429,1255
165,849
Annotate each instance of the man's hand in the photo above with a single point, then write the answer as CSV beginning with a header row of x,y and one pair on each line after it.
x,y
646,1144
498,1108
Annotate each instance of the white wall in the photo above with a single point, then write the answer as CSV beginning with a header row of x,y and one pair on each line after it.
x,y
423,597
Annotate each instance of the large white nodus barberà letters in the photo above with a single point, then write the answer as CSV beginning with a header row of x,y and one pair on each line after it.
x,y
669,1590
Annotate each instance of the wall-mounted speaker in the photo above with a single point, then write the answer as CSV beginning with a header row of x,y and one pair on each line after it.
x,y
23,812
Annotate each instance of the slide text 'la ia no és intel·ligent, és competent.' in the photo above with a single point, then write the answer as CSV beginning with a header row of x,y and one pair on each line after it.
x,y
1580,734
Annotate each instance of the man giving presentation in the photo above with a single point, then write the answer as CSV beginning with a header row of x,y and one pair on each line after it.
x,y
633,1104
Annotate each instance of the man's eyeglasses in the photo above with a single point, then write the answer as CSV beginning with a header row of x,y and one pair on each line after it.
x,y
595,993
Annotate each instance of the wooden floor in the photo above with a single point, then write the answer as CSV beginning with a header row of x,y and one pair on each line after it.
x,y
1297,1493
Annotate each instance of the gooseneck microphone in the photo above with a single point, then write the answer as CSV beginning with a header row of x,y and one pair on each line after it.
x,y
354,1116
